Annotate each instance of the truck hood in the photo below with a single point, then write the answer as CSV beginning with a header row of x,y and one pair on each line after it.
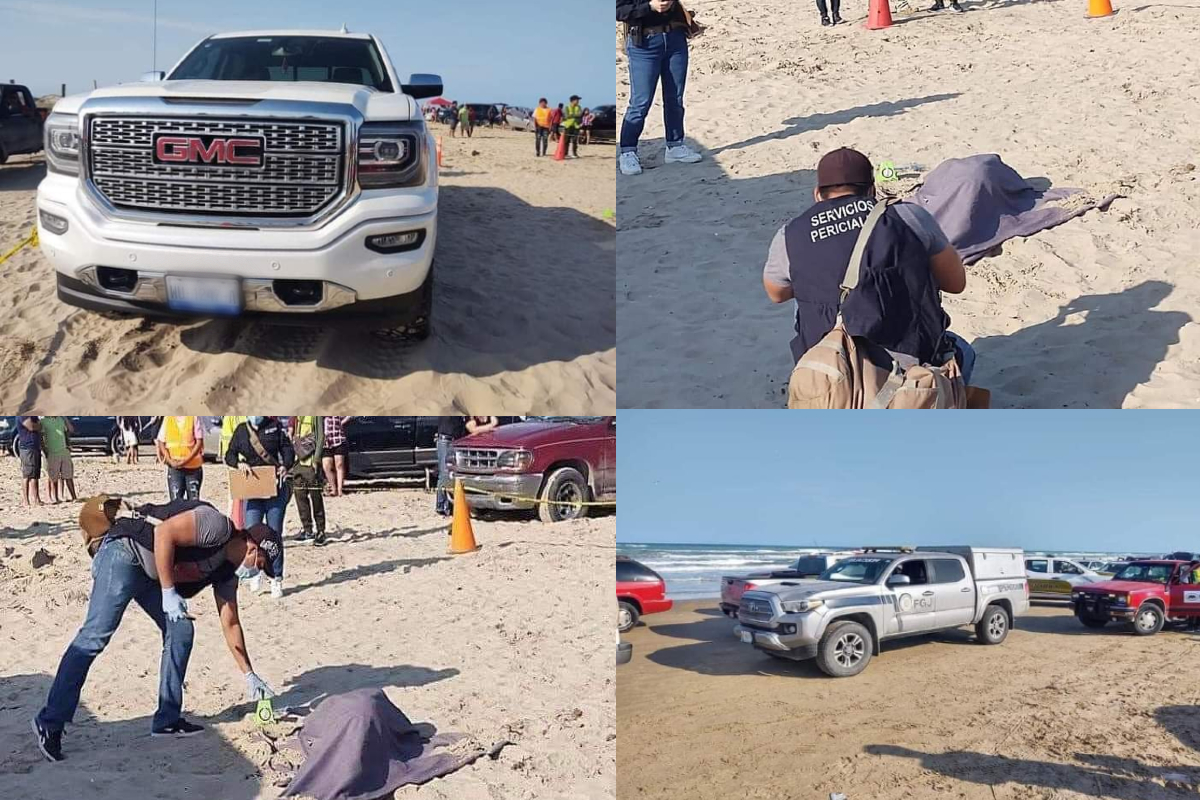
x,y
526,434
802,589
371,104
1125,587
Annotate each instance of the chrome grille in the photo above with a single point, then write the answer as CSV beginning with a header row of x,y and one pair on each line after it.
x,y
303,170
472,458
755,610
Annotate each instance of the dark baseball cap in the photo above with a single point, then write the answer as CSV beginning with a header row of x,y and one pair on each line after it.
x,y
844,167
270,542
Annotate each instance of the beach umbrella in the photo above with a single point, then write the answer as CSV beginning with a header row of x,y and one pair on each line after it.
x,y
438,101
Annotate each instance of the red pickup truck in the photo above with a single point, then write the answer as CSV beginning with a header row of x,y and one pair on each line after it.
x,y
554,464
1144,594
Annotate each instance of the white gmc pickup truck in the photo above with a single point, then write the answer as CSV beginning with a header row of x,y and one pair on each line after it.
x,y
285,174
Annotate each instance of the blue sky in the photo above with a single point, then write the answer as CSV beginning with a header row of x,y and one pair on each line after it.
x,y
1042,480
512,52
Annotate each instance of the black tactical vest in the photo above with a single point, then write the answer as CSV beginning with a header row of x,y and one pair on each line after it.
x,y
896,303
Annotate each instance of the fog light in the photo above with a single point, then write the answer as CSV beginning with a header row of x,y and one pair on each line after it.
x,y
789,628
52,222
396,242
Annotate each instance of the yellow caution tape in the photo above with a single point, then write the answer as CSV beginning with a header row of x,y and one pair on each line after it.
x,y
472,490
33,240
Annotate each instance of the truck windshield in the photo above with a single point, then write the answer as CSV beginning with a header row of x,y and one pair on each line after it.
x,y
325,59
857,570
1144,573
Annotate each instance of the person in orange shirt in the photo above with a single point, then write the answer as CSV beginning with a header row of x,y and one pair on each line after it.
x,y
541,122
180,445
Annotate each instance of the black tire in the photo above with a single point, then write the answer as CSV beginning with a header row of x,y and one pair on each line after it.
x,y
1090,620
627,616
845,649
993,626
1148,620
565,485
418,329
116,444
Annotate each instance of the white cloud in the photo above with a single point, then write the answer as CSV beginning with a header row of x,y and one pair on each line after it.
x,y
60,12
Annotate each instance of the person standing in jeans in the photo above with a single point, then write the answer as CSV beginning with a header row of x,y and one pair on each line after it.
x,y
180,445
308,441
29,448
262,442
657,49
541,127
449,429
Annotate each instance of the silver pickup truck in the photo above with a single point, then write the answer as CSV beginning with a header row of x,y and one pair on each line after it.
x,y
841,618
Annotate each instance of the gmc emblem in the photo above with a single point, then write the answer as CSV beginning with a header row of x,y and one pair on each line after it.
x,y
242,151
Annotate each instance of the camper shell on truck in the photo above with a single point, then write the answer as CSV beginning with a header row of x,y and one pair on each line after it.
x,y
841,618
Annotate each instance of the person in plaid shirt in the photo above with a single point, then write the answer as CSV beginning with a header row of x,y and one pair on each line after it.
x,y
334,457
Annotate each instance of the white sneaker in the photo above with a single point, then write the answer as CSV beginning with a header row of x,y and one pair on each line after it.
x,y
276,588
630,163
681,154
255,584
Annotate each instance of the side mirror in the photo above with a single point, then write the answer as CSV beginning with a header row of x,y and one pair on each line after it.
x,y
421,85
899,580
153,77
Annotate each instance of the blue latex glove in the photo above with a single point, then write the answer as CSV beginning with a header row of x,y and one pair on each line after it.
x,y
173,605
256,687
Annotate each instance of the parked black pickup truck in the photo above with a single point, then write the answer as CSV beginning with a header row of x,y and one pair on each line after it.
x,y
98,434
20,122
394,447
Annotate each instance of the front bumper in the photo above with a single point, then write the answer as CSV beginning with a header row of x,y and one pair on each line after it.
x,y
354,282
796,635
503,492
1103,608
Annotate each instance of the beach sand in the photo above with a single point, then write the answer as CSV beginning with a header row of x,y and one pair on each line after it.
x,y
1055,711
513,642
524,318
1100,312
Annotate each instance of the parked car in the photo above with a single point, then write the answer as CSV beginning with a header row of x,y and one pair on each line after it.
x,y
806,566
604,126
238,162
842,618
640,591
519,118
1053,577
1110,568
568,461
8,435
1145,595
95,434
21,122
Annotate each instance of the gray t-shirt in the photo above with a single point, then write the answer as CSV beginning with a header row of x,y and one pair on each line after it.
x,y
778,267
212,530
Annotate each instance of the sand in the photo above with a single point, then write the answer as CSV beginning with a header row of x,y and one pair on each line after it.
x,y
1099,312
524,318
1053,712
513,642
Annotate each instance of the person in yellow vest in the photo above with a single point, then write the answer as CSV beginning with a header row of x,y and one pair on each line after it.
x,y
572,121
308,442
180,445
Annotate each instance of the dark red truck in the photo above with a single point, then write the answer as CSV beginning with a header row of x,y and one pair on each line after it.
x,y
566,460
1145,595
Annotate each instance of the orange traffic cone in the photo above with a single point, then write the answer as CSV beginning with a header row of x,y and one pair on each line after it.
x,y
561,153
1100,8
462,538
879,15
439,150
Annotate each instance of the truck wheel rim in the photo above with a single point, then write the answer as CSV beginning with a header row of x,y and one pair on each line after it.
x,y
996,626
849,650
1146,620
625,618
569,493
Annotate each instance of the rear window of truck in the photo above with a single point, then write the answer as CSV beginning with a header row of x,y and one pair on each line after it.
x,y
286,58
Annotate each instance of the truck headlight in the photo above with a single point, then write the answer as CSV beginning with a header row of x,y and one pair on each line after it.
x,y
391,154
801,606
62,143
514,460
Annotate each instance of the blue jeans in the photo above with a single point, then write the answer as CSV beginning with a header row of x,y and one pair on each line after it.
x,y
184,483
272,509
662,56
965,355
443,503
117,578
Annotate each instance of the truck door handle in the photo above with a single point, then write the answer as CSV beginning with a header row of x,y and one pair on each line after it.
x,y
927,594
965,589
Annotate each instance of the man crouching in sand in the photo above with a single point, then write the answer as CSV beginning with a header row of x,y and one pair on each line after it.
x,y
156,558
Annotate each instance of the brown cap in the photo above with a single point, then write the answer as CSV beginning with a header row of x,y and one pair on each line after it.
x,y
844,166
98,513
